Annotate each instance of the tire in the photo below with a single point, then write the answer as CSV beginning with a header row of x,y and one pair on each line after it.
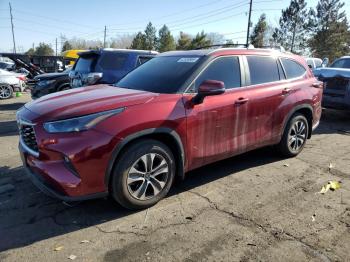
x,y
134,188
63,88
294,136
6,91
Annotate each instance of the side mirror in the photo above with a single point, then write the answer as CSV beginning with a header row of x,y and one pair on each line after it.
x,y
208,88
325,62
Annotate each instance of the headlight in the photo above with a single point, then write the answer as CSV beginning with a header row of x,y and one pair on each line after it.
x,y
81,123
46,82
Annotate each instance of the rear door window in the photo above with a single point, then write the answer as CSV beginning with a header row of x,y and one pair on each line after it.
x,y
225,69
263,69
292,68
341,63
85,64
113,61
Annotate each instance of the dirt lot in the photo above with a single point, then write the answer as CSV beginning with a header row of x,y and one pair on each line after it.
x,y
255,207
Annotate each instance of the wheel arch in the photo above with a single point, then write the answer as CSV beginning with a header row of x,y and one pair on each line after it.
x,y
165,135
60,86
304,109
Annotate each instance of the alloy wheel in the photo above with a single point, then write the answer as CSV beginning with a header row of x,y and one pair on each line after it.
x,y
297,136
5,91
147,176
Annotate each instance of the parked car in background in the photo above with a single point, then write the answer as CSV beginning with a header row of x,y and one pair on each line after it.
x,y
177,112
49,83
7,66
11,82
337,84
106,66
314,63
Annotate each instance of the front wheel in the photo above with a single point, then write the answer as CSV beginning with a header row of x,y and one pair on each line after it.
x,y
143,174
294,136
6,91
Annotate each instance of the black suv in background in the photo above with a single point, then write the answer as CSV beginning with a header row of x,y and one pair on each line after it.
x,y
49,83
106,66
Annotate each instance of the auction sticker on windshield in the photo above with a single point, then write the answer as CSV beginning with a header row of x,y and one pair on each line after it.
x,y
188,60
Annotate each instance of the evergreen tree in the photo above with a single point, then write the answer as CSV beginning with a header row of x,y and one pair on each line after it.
x,y
150,37
257,38
200,40
166,40
184,41
330,30
291,33
42,49
66,46
139,41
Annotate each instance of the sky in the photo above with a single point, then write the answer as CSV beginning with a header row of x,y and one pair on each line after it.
x,y
38,21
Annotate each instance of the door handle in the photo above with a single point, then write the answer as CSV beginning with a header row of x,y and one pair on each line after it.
x,y
286,91
241,100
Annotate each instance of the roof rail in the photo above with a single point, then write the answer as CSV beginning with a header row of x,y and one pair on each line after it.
x,y
275,47
223,45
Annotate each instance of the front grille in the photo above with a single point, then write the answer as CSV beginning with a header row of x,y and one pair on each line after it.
x,y
28,136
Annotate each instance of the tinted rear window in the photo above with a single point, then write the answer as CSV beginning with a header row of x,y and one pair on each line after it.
x,y
225,69
164,74
113,61
292,68
263,69
84,64
341,63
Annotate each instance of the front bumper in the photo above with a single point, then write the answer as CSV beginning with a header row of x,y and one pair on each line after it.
x,y
40,182
336,102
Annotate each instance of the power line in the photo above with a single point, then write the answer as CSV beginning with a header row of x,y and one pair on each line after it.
x,y
51,18
47,25
209,22
170,15
197,17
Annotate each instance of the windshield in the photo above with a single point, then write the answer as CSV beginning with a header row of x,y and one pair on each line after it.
x,y
341,63
163,74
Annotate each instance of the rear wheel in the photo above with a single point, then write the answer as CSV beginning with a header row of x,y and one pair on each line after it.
x,y
143,174
294,136
6,91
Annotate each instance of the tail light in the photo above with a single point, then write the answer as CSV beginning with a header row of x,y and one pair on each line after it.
x,y
22,78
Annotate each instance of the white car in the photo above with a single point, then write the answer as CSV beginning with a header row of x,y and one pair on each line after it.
x,y
11,82
314,63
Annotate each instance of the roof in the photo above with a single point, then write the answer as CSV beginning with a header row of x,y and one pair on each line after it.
x,y
134,51
218,51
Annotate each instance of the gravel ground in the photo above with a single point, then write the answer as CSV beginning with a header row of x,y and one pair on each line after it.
x,y
254,207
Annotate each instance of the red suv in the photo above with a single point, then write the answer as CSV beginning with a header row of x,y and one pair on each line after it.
x,y
179,111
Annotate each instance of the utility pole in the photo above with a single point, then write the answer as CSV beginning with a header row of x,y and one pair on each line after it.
x,y
104,38
56,46
250,14
13,33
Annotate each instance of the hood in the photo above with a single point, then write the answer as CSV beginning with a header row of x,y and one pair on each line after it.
x,y
50,76
86,100
327,73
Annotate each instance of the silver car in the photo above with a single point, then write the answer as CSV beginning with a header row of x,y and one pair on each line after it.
x,y
11,82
